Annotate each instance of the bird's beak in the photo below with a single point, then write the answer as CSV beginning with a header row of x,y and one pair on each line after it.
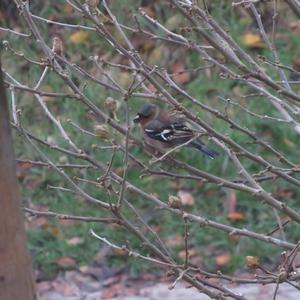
x,y
137,119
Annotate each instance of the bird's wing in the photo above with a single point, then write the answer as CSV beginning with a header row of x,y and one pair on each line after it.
x,y
175,132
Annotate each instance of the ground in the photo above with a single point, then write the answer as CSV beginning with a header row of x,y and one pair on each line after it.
x,y
79,285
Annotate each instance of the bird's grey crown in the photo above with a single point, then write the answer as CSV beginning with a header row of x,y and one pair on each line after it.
x,y
147,110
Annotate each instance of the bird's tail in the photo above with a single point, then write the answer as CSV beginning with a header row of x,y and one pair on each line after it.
x,y
203,148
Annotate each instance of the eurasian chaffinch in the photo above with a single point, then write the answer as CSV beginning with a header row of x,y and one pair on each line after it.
x,y
162,130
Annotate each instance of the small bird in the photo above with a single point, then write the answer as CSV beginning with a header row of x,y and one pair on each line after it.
x,y
162,130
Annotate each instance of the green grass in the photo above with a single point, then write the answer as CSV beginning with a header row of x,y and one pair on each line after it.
x,y
48,243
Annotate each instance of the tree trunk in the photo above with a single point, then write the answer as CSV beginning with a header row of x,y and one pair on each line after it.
x,y
16,275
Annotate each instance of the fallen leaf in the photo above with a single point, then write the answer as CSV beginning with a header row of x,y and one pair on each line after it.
x,y
54,230
209,193
33,181
79,37
296,64
22,169
65,288
175,185
119,252
234,236
36,222
24,165
223,259
284,194
112,292
186,198
236,216
295,27
252,40
192,253
44,286
47,98
180,75
120,290
174,240
75,241
65,262
111,280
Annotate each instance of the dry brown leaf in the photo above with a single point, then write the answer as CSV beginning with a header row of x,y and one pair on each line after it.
x,y
37,222
43,287
33,181
174,240
296,64
65,288
186,198
175,185
295,27
79,37
22,169
66,262
54,230
210,193
234,237
223,259
236,216
74,241
192,253
47,98
284,194
119,252
24,165
252,40
113,291
180,76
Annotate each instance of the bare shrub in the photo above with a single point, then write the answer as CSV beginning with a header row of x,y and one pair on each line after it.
x,y
252,163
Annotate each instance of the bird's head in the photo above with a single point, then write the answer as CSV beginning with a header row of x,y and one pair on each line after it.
x,y
146,112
